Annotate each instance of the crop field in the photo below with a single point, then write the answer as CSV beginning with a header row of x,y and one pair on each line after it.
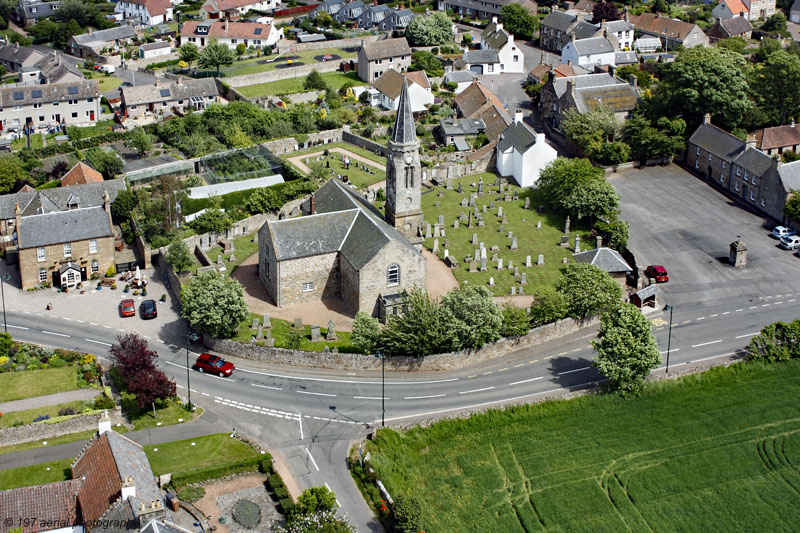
x,y
717,451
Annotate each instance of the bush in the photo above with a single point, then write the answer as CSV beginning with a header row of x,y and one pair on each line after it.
x,y
40,418
66,411
281,493
275,481
197,475
191,494
286,506
104,402
266,464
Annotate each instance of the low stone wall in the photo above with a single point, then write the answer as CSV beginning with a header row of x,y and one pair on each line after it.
x,y
367,144
281,74
445,361
446,171
323,45
41,431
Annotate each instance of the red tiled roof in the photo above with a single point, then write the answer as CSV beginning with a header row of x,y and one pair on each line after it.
x,y
778,137
736,6
80,174
236,30
661,26
102,484
154,7
54,503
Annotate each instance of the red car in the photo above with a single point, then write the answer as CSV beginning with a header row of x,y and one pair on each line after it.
x,y
658,273
127,308
214,364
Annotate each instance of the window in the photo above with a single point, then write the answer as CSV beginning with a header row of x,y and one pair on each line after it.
x,y
697,151
393,275
37,106
753,180
752,196
308,286
75,115
55,104
736,186
491,68
763,202
41,118
67,249
709,157
95,267
723,164
738,171
40,254
93,246
697,164
516,59
721,178
42,275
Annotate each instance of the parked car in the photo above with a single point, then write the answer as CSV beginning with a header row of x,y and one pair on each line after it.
x,y
782,231
658,273
127,308
108,69
792,242
149,309
214,364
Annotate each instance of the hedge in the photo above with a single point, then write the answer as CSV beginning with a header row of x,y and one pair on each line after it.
x,y
286,192
163,64
266,464
281,493
286,505
197,475
275,481
81,144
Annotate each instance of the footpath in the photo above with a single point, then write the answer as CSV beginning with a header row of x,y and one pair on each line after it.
x,y
36,402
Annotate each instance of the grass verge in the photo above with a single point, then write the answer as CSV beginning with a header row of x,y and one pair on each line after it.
x,y
31,383
191,460
27,476
335,81
280,329
167,411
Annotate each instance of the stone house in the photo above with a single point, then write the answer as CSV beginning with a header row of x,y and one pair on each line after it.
x,y
390,86
49,105
559,28
497,39
542,71
53,68
728,9
233,9
522,153
375,58
671,32
29,12
99,44
230,34
608,260
13,56
181,95
147,12
484,10
778,139
476,101
727,28
589,52
619,32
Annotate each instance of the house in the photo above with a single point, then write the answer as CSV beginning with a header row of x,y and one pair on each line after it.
x,y
586,93
481,61
29,13
607,260
478,102
230,34
647,45
559,28
331,7
344,247
375,58
728,9
542,71
732,27
54,68
233,9
81,174
397,20
463,78
95,44
497,39
350,12
156,49
390,85
583,8
620,33
456,132
373,16
147,12
760,9
794,12
589,52
180,95
522,153
671,32
58,199
13,56
47,106
778,139
483,10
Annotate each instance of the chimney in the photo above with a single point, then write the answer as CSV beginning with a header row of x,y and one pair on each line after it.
x,y
89,30
792,123
226,25
707,118
107,207
104,424
750,142
633,80
570,85
312,205
494,20
16,44
540,138
569,62
517,116
541,58
128,488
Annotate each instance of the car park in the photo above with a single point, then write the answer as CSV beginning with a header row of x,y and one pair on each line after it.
x,y
149,309
127,308
658,273
782,231
214,364
791,242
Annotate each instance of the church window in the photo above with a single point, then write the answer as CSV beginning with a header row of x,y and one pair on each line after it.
x,y
393,275
308,286
409,177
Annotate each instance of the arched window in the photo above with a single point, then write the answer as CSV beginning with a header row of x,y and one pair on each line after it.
x,y
393,275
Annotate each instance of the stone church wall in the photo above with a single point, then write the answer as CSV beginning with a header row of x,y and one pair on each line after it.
x,y
322,270
372,277
267,266
349,284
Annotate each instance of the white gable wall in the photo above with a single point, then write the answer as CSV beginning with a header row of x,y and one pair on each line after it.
x,y
419,99
511,57
526,167
569,53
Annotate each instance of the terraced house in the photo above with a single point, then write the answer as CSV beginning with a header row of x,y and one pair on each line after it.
x,y
230,34
46,106
377,57
484,10
162,98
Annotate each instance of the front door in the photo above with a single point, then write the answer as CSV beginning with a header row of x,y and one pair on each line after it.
x,y
91,116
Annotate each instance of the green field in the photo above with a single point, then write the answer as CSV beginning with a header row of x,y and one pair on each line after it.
x,y
357,177
19,385
26,476
717,451
335,80
530,240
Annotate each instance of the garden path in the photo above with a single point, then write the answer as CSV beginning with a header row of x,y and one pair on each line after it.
x,y
439,278
298,160
48,399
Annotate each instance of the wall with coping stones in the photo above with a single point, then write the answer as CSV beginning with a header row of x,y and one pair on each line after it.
x,y
324,45
445,361
282,74
40,431
367,144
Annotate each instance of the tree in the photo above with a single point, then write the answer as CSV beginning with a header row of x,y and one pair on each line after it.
x,y
214,220
779,341
515,320
775,86
366,333
626,348
478,320
241,48
44,31
422,60
767,47
315,82
214,304
65,31
178,256
235,137
108,164
734,44
125,202
319,522
295,337
576,187
649,142
548,306
588,289
596,133
430,30
518,20
323,18
10,171
407,514
189,53
262,200
614,231
313,500
150,387
423,329
776,24
131,355
643,78
141,141
792,207
605,11
216,55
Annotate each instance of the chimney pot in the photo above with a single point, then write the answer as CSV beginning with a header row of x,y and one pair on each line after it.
x,y
707,118
792,124
517,116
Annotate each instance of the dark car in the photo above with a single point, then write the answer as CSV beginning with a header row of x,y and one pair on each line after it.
x,y
149,309
127,308
658,273
214,364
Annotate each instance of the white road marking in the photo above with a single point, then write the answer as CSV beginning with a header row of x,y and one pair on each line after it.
x,y
92,323
312,459
739,310
575,370
671,350
65,318
753,307
205,394
792,300
265,387
701,318
726,313
475,390
97,342
764,305
316,393
17,327
122,330
526,380
302,378
107,327
54,333
747,335
424,397
337,499
80,321
712,316
369,398
706,343
39,314
778,303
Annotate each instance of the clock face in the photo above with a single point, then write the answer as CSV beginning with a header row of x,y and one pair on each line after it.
x,y
409,159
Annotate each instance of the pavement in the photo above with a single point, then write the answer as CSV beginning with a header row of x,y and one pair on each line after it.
x,y
48,399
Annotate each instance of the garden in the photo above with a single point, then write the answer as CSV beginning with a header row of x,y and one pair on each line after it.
x,y
328,161
334,80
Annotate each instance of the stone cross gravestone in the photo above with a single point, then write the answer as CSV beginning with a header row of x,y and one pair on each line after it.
x,y
331,335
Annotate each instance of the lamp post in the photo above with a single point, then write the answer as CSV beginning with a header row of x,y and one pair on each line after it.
x,y
669,308
190,337
383,388
3,279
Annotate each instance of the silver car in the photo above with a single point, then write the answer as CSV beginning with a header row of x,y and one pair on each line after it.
x,y
791,242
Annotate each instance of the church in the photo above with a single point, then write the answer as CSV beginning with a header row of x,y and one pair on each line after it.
x,y
344,248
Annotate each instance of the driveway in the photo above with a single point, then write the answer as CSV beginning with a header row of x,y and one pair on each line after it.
x,y
683,223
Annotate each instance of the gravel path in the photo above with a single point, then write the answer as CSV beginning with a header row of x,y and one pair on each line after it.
x,y
49,399
298,159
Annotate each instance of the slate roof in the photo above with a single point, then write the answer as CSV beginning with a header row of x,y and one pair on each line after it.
x,y
778,137
401,18
519,136
471,99
51,92
790,176
795,7
736,26
618,25
104,36
583,81
593,46
79,174
459,76
662,26
495,38
57,199
155,46
584,30
169,92
754,161
316,234
54,67
236,30
63,226
605,259
386,48
496,120
329,6
584,5
463,126
56,502
404,131
17,54
477,57
43,10
354,9
559,20
717,141
625,58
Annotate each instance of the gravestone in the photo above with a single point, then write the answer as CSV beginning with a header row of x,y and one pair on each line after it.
x,y
428,230
220,265
514,244
443,235
577,249
491,205
516,196
566,225
494,257
254,325
463,202
435,245
494,249
481,222
470,220
436,230
521,291
483,263
500,211
524,280
483,209
447,243
491,282
540,260
441,220
538,224
331,335
267,323
564,261
527,202
477,254
480,189
510,264
298,323
460,190
510,234
269,342
564,241
472,200
507,198
500,264
446,253
505,219
513,291
483,253
501,229
473,267
315,334
440,194
231,258
455,224
527,261
204,242
260,332
516,271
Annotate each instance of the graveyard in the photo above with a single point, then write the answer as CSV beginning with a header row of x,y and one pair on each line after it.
x,y
504,241
365,168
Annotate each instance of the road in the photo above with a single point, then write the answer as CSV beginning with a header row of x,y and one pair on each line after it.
x,y
311,418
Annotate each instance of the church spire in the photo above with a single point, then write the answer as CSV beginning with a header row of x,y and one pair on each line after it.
x,y
404,131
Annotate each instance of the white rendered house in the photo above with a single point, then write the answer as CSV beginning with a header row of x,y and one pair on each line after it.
x,y
522,153
510,57
589,52
390,85
147,12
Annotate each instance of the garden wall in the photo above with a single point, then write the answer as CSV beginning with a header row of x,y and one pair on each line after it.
x,y
445,171
322,45
367,144
446,361
43,430
281,73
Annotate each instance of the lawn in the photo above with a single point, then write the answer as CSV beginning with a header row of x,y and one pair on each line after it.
x,y
717,451
26,476
280,328
530,240
360,178
63,439
244,247
101,127
107,82
259,64
167,411
27,416
335,81
209,451
19,385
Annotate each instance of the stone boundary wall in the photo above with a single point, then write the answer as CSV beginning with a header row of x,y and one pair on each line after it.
x,y
438,362
367,144
281,74
322,45
40,431
445,172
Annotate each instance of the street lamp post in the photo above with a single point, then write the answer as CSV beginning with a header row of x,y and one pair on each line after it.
x,y
383,388
190,337
3,279
669,308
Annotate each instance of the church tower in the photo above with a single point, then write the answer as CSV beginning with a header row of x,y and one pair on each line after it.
x,y
403,172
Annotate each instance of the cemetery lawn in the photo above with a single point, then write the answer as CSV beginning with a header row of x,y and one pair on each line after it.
x,y
717,451
281,327
30,383
335,81
243,246
530,240
360,178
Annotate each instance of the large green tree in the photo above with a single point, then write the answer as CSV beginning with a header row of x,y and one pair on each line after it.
x,y
648,141
214,304
178,256
314,81
775,85
779,341
189,53
424,328
10,171
430,30
141,141
216,55
212,220
422,60
577,187
548,306
626,348
478,319
125,202
588,289
366,332
518,20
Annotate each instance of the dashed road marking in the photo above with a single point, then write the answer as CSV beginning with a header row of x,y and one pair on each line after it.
x,y
672,350
503,369
712,316
370,398
685,321
519,365
726,313
764,305
753,307
475,390
739,310
549,357
424,397
316,393
473,376
54,333
778,303
577,350
265,386
487,373
563,353
746,335
701,318
526,380
706,343
98,342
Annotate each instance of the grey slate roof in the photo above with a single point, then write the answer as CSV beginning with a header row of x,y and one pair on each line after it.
x,y
518,136
619,25
155,46
754,161
496,39
476,57
736,26
386,48
587,80
464,126
53,67
353,9
52,92
584,30
17,54
329,6
404,131
790,175
132,462
106,36
311,235
401,18
63,226
595,45
186,89
459,76
605,259
617,98
559,20
57,199
43,10
717,141
625,58
795,7
365,240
